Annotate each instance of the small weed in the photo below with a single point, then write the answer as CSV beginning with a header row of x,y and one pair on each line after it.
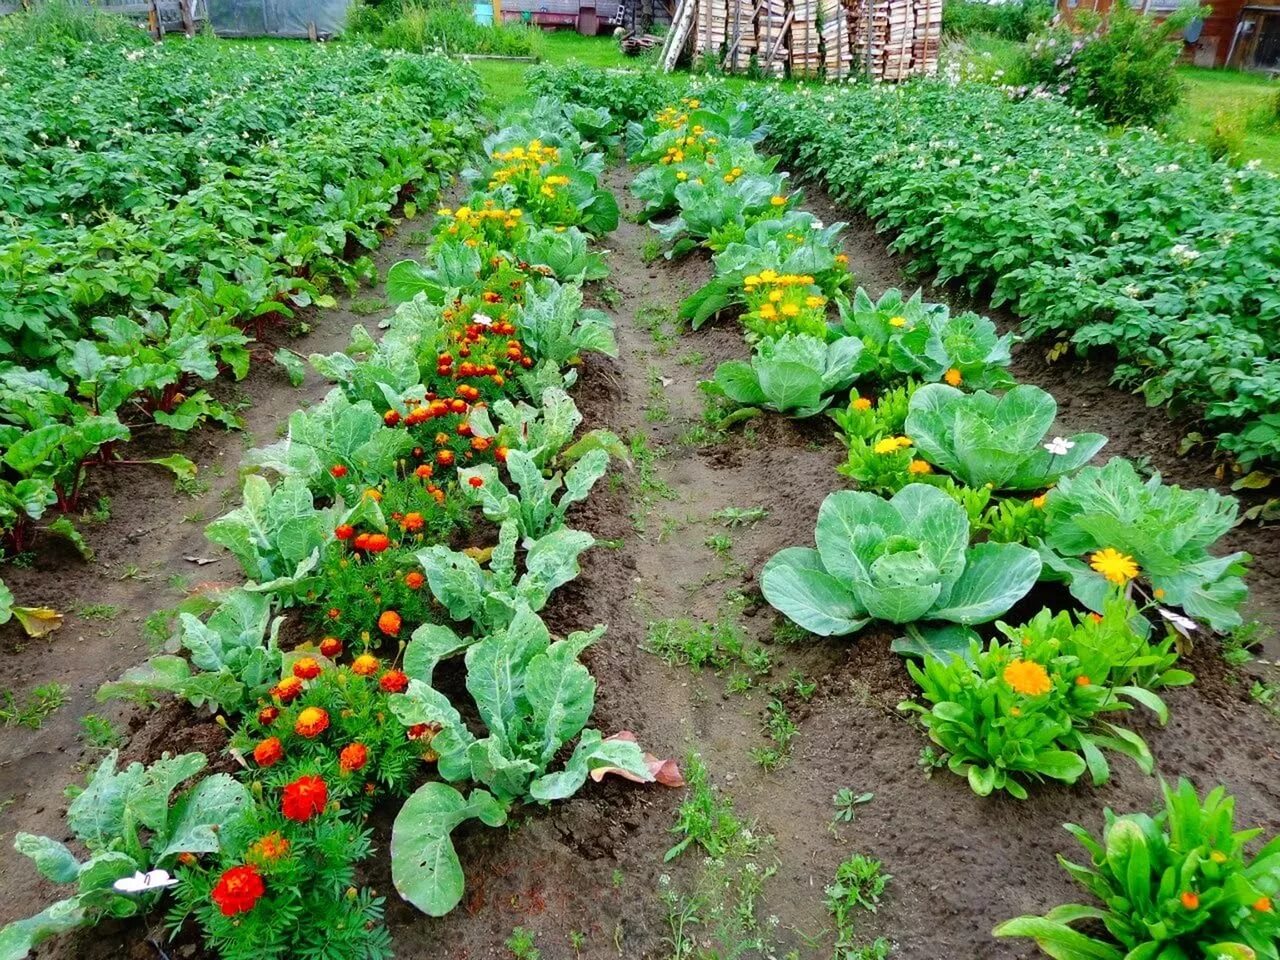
x,y
611,297
192,487
156,629
196,516
785,633
1238,646
720,645
804,688
97,611
878,949
658,409
618,879
691,359
179,582
858,884
651,250
846,802
649,487
931,760
43,702
100,734
577,940
617,543
706,818
720,544
520,943
366,306
740,516
1266,694
781,730
655,318
421,237
101,511
133,572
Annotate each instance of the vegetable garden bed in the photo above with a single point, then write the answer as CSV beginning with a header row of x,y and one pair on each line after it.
x,y
728,467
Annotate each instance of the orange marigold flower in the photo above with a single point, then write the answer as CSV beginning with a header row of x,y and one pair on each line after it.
x,y
394,681
414,580
1038,502
338,471
344,531
304,798
1027,677
334,613
423,472
287,690
308,668
330,647
413,522
238,890
269,752
269,848
476,482
187,859
365,665
353,757
389,623
267,715
445,458
312,722
1190,900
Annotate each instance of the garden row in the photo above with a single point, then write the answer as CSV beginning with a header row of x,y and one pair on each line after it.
x,y
966,501
1089,236
161,206
455,428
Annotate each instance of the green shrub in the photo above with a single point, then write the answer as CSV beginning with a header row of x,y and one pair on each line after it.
x,y
1225,139
57,22
1122,66
1016,20
419,27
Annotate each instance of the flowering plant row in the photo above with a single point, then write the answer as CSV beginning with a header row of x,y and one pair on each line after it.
x,y
455,427
127,292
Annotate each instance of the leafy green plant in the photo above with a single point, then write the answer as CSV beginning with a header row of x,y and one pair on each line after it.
x,y
985,440
533,509
793,375
901,560
1179,883
131,823
533,697
1164,531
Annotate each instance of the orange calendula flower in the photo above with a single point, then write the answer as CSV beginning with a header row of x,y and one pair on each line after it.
x,y
862,403
1027,677
287,690
269,848
365,665
311,722
1263,905
1038,502
389,623
1119,568
953,377
353,757
1083,680
919,466
269,752
1190,900
308,668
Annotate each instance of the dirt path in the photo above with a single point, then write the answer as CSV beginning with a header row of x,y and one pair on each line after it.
x,y
140,567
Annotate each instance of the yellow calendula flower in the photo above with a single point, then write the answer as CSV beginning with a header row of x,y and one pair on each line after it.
x,y
778,201
919,466
814,302
1028,678
1038,502
886,446
897,321
775,296
902,442
862,403
751,281
768,311
1119,568
444,212
681,176
952,377
790,310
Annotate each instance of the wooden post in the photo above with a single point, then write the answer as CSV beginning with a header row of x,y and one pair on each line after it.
x,y
311,31
497,13
188,21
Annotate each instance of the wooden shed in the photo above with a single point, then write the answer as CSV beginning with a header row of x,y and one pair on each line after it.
x,y
1239,33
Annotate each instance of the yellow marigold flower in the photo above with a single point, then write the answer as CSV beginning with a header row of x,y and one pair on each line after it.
x,y
778,201
919,466
897,321
1028,678
886,446
952,377
862,403
1117,567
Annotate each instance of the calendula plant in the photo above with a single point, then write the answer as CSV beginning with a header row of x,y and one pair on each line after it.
x,y
902,560
997,441
1033,706
794,374
1106,526
926,342
533,697
1181,883
135,829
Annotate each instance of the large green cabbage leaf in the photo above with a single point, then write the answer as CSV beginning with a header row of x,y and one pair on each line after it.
x,y
795,374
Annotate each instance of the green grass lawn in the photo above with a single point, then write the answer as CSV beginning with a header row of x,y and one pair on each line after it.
x,y
1248,102
504,79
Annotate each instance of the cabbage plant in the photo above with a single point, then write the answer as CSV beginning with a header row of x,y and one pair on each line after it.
x,y
1165,530
795,374
901,560
983,439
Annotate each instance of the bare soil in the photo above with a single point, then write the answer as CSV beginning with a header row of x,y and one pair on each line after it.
x,y
960,864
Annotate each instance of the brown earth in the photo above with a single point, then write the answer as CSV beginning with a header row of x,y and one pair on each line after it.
x,y
960,864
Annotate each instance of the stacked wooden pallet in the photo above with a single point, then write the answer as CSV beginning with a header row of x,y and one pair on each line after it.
x,y
896,39
820,43
928,37
740,34
773,23
708,28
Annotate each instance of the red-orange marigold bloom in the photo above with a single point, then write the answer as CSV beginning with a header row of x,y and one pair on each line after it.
x,y
414,580
304,798
353,757
344,531
269,752
365,665
330,647
389,623
423,472
413,522
238,890
445,458
267,715
394,681
1263,905
287,690
307,668
377,542
269,848
476,482
391,418
311,722
338,471
334,613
